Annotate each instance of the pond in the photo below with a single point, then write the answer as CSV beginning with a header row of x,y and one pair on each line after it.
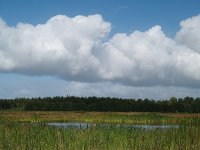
x,y
81,125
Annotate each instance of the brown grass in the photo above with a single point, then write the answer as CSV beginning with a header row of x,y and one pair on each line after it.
x,y
38,116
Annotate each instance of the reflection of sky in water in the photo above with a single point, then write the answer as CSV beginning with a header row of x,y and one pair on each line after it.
x,y
89,125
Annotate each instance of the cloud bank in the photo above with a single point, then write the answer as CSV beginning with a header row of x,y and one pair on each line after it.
x,y
78,49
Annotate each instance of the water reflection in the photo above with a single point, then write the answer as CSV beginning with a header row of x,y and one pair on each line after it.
x,y
81,125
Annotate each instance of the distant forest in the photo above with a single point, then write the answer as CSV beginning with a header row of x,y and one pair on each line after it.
x,y
72,103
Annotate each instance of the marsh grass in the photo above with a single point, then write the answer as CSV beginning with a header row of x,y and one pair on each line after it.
x,y
101,117
27,136
34,134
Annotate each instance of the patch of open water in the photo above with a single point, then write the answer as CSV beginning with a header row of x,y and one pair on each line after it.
x,y
81,125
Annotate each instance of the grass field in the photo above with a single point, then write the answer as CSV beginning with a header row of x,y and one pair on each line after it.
x,y
34,134
101,117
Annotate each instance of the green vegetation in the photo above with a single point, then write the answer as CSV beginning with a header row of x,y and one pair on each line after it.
x,y
21,129
103,104
30,136
35,134
101,117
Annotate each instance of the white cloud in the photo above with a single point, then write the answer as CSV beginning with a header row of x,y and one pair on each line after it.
x,y
189,35
62,46
149,58
73,49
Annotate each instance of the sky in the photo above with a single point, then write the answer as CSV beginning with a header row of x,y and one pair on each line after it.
x,y
123,48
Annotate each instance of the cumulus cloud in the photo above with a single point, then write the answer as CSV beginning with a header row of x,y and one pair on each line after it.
x,y
62,46
189,34
75,49
149,58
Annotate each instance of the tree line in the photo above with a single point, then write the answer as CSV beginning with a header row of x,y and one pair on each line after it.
x,y
72,103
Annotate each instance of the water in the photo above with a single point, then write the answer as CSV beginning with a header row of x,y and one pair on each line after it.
x,y
71,124
81,125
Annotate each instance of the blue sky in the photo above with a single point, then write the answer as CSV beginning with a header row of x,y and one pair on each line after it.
x,y
124,16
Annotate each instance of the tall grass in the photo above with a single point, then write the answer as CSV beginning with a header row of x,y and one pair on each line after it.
x,y
28,136
35,135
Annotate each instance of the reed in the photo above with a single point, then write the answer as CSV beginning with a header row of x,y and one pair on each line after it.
x,y
28,130
29,136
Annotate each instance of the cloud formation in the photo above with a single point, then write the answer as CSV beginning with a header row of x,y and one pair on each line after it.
x,y
62,46
75,49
